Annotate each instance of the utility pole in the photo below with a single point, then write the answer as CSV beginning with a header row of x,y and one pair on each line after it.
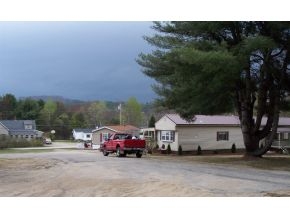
x,y
120,109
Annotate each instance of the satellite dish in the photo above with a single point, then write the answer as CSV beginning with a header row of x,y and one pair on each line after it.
x,y
52,131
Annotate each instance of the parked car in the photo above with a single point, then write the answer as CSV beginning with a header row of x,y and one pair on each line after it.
x,y
47,141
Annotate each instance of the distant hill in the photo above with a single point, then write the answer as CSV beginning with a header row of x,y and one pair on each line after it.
x,y
65,101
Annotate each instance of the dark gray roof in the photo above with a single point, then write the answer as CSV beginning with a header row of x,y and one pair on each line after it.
x,y
18,126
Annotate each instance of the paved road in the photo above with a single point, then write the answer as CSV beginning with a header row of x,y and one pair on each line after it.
x,y
89,173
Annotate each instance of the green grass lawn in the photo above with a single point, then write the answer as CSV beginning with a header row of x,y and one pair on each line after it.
x,y
13,151
268,162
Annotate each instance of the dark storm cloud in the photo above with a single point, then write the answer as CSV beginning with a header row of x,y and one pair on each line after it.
x,y
81,60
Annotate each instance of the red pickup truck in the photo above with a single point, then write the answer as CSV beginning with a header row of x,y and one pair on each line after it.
x,y
123,144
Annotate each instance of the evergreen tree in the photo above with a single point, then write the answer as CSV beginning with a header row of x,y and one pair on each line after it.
x,y
217,67
8,104
152,122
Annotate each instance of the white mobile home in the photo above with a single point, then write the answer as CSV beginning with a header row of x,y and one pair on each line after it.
x,y
82,134
208,132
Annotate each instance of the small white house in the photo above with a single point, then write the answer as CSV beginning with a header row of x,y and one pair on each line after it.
x,y
208,132
82,134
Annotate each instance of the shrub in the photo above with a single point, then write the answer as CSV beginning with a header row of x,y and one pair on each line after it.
x,y
199,150
168,149
157,147
3,142
179,150
234,149
7,142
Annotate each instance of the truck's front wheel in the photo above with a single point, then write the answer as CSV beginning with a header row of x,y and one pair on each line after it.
x,y
105,153
118,152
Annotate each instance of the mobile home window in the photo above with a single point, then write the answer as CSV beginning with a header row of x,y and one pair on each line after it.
x,y
280,136
167,136
222,136
286,135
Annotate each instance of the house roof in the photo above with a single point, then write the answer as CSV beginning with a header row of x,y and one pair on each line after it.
x,y
205,120
119,128
218,120
18,126
87,130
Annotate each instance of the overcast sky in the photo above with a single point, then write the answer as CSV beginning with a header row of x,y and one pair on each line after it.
x,y
78,60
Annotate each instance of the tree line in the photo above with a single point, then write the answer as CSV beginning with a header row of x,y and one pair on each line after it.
x,y
55,115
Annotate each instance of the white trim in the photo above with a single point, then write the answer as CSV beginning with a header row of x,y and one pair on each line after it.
x,y
4,126
104,127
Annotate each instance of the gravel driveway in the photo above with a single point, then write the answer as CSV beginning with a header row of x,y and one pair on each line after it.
x,y
88,173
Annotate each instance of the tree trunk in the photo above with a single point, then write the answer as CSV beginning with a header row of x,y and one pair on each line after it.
x,y
251,135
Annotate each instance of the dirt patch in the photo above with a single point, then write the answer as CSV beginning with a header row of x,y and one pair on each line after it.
x,y
90,174
27,164
281,193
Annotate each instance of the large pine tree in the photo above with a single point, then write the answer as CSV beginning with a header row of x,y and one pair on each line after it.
x,y
216,67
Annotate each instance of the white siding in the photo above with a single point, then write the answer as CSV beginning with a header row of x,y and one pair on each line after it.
x,y
3,131
165,124
173,144
206,137
78,135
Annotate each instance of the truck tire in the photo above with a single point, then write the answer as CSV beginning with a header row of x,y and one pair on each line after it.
x,y
139,154
105,153
118,152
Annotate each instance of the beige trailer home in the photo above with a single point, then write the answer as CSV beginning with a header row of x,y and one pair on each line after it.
x,y
209,132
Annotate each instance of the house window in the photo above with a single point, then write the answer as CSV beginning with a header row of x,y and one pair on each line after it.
x,y
26,136
167,136
286,136
222,136
27,126
31,136
88,136
281,136
105,136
